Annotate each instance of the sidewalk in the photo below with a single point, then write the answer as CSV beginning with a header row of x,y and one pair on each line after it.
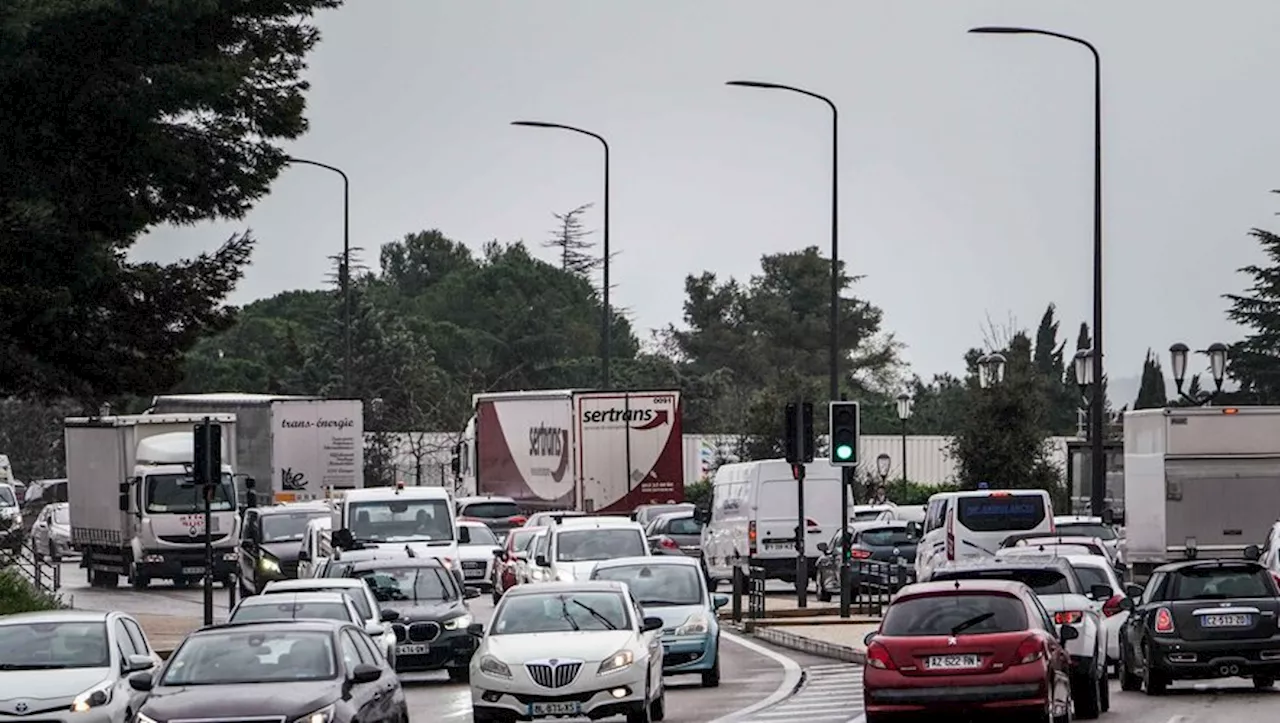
x,y
824,636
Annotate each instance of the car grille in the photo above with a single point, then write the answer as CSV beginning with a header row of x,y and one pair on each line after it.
x,y
416,632
473,569
553,676
187,539
267,719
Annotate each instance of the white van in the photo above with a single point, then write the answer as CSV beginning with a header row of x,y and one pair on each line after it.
x,y
316,547
753,515
973,524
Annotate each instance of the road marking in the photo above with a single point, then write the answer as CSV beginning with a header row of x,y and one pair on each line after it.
x,y
1179,719
791,677
828,693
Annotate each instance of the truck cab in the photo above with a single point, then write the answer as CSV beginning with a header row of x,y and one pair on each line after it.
x,y
422,521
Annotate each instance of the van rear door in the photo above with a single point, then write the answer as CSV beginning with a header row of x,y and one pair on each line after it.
x,y
777,507
983,521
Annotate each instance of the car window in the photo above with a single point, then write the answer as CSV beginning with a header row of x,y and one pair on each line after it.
x,y
369,649
599,544
287,527
886,537
137,636
1046,620
1043,582
1090,576
61,515
1220,583
292,611
477,535
949,615
542,544
658,584
491,510
1154,587
995,513
227,657
410,583
350,652
684,526
124,642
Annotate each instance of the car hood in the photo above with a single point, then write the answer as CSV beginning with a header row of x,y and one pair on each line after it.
x,y
579,570
673,616
223,702
44,689
476,552
284,551
414,611
589,645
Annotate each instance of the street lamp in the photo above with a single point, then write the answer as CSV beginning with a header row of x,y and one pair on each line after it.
x,y
606,324
1217,353
904,414
882,466
344,274
991,369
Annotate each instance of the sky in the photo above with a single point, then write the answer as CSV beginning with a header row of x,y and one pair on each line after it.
x,y
965,161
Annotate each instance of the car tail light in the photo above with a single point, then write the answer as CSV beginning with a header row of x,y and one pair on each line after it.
x,y
1164,621
1028,651
878,657
810,522
1112,607
859,554
668,543
1068,617
1276,578
517,520
751,538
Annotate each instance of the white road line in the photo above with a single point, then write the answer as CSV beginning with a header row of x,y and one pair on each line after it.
x,y
790,678
860,719
1179,719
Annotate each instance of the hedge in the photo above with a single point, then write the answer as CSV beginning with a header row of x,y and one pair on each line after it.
x,y
18,595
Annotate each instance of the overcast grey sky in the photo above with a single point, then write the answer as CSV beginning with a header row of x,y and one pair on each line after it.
x,y
965,161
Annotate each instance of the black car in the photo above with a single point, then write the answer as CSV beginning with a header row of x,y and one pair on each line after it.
x,y
501,514
432,614
270,540
1202,619
882,556
286,671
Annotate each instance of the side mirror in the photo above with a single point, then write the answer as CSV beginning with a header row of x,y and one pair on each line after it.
x,y
1067,633
389,616
1126,604
702,514
476,630
651,624
142,682
1100,592
470,593
1133,591
1108,517
304,556
464,535
455,465
138,663
719,601
343,539
250,483
365,673
499,553
124,496
373,630
1252,552
251,498
870,636
823,548
541,561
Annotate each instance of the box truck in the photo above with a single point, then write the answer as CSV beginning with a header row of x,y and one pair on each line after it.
x,y
598,452
135,510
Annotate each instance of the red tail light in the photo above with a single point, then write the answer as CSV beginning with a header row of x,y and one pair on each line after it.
x,y
1164,621
859,554
1113,606
810,522
517,520
1068,617
1029,651
668,543
1276,577
878,657
751,538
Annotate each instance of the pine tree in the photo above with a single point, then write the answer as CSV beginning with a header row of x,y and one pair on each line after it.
x,y
570,241
1254,362
1151,391
1048,354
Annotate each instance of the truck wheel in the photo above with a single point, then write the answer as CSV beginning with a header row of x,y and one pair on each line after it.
x,y
139,582
103,578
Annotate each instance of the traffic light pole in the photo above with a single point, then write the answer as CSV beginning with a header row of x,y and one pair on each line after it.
x,y
206,465
802,562
846,581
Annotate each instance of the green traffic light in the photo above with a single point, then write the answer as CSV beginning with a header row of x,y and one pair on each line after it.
x,y
844,451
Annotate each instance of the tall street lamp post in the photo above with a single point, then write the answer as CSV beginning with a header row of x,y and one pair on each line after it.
x,y
904,415
606,323
344,274
1098,464
1217,353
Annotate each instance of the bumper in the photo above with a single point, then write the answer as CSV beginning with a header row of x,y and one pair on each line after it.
x,y
1022,688
689,654
881,575
1203,660
477,576
783,568
452,649
169,564
103,714
514,701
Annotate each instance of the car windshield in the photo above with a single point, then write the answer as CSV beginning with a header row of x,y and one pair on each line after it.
x,y
176,493
520,539
887,537
62,516
684,526
1220,583
290,610
410,583
41,646
401,520
7,498
491,510
1043,582
357,596
560,613
1087,529
585,545
287,527
1090,576
951,615
477,535
244,657
657,585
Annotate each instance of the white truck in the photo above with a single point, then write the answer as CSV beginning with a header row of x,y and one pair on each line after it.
x,y
135,510
1198,482
295,448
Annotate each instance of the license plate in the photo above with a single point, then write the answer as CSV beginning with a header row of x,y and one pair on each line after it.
x,y
902,561
779,545
570,708
953,662
416,649
193,571
1225,621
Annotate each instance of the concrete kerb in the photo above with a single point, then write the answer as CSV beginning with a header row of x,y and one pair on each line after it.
x,y
791,641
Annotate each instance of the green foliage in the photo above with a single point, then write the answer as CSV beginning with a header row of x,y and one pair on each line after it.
x,y
1151,390
905,493
119,116
698,493
17,595
1254,362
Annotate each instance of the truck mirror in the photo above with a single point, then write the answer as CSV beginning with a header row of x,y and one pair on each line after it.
x,y
455,464
251,498
124,488
124,500
343,539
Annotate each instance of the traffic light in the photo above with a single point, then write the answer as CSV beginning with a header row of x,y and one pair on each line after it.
x,y
798,431
207,457
843,426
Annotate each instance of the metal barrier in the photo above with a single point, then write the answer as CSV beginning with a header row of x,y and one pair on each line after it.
x,y
874,583
749,583
44,574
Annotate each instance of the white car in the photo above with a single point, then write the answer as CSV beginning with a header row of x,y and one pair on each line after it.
x,y
581,649
571,548
301,606
360,594
1094,570
1091,527
1093,545
476,547
1043,551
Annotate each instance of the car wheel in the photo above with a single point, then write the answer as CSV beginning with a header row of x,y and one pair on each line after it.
x,y
1153,682
640,713
1104,692
711,678
1263,682
1129,681
658,708
1086,691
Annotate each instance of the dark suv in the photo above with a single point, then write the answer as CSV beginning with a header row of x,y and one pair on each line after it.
x,y
500,514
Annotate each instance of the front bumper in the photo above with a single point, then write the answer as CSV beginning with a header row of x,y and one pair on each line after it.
x,y
450,649
689,653
169,564
45,711
1204,659
592,696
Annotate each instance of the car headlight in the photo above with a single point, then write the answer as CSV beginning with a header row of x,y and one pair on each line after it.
x,y
459,623
268,564
230,556
618,661
697,624
94,697
324,715
490,665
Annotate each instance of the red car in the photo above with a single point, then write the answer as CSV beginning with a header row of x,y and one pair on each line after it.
x,y
968,646
504,567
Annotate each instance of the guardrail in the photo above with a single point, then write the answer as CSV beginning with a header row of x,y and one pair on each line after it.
x,y
45,574
874,583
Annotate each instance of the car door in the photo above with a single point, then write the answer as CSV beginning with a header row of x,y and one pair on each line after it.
x,y
393,693
369,698
1135,633
40,531
140,641
125,647
653,641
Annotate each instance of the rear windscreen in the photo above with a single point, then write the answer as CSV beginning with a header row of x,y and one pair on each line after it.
x,y
491,510
1219,583
1008,513
1042,582
1090,576
1087,529
887,537
952,615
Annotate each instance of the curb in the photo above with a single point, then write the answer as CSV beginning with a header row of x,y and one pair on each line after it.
x,y
799,643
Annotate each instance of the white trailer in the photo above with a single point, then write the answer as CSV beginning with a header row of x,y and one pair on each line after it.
x,y
1199,482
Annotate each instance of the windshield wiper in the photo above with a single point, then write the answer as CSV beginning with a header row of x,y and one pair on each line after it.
x,y
35,666
595,614
564,613
667,602
975,620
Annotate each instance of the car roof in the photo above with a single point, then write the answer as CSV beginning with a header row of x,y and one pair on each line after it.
x,y
950,586
1217,562
57,616
382,494
1036,562
600,523
551,588
894,524
484,498
299,596
382,563
471,522
1052,550
307,584
1088,561
672,560
1077,520
301,624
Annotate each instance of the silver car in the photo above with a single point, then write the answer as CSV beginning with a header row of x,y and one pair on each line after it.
x,y
51,531
71,663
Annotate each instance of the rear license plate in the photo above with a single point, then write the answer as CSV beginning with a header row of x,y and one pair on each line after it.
x,y
1225,621
193,571
417,649
570,708
952,662
779,545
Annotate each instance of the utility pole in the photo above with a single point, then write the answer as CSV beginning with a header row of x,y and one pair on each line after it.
x,y
207,463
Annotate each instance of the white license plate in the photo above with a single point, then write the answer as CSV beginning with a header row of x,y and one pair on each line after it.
x,y
953,662
1225,621
780,546
193,571
417,649
570,708
902,561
